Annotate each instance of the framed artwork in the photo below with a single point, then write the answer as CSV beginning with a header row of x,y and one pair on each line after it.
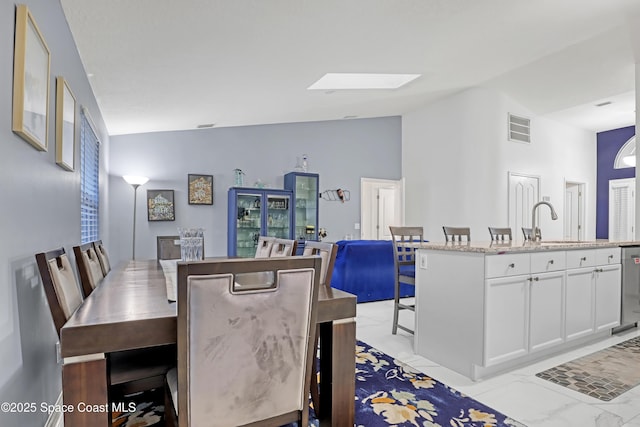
x,y
160,206
31,66
65,125
200,189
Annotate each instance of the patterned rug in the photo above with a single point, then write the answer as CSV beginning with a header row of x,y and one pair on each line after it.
x,y
388,393
605,374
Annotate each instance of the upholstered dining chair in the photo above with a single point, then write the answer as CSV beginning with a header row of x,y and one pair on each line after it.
x,y
244,355
283,247
404,262
168,247
456,233
265,243
499,234
89,267
327,253
129,371
102,256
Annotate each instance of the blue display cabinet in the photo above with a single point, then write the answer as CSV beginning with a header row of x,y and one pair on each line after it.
x,y
255,212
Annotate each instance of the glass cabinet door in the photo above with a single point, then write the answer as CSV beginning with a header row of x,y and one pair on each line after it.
x,y
278,216
306,193
249,207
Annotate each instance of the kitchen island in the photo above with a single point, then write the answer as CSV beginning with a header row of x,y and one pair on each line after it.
x,y
483,308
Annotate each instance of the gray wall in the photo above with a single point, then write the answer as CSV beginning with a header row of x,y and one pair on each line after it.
x,y
340,151
39,210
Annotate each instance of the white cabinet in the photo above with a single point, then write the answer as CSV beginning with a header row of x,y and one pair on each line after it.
x,y
546,310
506,317
579,302
607,297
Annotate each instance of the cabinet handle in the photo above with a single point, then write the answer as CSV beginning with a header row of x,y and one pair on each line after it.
x,y
584,258
536,278
599,270
550,261
512,265
610,256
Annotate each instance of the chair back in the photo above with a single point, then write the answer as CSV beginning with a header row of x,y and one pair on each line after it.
x,y
60,285
500,234
168,247
283,247
89,268
456,233
265,244
403,253
102,257
327,252
245,355
528,232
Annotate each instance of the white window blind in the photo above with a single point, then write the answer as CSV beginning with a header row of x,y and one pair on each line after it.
x,y
621,209
89,176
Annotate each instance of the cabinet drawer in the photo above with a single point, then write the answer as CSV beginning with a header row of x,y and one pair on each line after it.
x,y
542,262
581,258
606,256
506,265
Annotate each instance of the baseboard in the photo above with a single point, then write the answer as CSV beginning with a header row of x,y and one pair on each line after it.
x,y
56,418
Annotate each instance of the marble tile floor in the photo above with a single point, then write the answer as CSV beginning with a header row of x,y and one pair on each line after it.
x,y
517,393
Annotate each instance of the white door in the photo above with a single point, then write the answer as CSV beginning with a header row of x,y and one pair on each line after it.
x,y
580,300
382,206
524,192
622,206
607,296
573,210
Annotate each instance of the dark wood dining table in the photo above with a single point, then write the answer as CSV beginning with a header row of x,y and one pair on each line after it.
x,y
129,310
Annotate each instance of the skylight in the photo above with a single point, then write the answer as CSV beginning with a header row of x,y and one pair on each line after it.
x,y
338,81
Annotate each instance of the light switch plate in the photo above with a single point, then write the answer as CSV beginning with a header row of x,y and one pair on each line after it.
x,y
423,261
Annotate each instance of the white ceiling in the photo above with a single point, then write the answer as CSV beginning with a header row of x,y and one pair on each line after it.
x,y
158,65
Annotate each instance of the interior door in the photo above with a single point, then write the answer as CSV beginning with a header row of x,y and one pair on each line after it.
x,y
381,206
573,210
622,207
386,212
524,192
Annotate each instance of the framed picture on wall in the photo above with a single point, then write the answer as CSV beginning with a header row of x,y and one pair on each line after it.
x,y
160,206
31,65
200,189
65,125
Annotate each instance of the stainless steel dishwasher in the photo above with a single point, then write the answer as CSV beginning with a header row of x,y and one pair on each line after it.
x,y
630,306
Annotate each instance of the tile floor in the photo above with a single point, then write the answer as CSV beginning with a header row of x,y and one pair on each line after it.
x,y
518,393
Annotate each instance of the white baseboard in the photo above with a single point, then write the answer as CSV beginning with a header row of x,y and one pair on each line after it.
x,y
56,419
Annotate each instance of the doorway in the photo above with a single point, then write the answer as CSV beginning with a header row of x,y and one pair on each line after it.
x,y
382,205
574,210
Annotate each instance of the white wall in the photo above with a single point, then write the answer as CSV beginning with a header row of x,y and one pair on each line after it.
x,y
39,211
340,151
456,158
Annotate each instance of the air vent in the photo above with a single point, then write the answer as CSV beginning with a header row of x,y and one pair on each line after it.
x,y
519,129
206,126
602,104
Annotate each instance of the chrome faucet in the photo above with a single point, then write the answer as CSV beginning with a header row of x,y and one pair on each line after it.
x,y
536,236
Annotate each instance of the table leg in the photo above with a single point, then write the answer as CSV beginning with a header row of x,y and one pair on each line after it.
x,y
84,390
337,373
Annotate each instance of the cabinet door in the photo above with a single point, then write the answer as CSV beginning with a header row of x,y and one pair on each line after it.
x,y
580,299
506,317
607,294
278,213
546,308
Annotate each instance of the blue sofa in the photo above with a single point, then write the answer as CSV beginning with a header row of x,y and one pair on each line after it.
x,y
365,268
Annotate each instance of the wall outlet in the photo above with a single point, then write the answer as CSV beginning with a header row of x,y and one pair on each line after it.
x,y
356,226
423,261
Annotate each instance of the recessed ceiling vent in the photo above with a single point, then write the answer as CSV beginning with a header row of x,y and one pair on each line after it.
x,y
519,129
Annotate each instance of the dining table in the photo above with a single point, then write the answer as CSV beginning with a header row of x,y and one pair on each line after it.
x,y
130,310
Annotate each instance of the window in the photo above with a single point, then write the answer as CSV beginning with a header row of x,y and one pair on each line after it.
x,y
89,188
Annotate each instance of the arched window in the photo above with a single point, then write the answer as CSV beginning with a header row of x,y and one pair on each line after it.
x,y
626,157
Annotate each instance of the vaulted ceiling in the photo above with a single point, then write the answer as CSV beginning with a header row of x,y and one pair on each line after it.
x,y
158,65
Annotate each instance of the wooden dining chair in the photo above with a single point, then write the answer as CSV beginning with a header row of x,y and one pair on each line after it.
x,y
265,243
129,371
499,234
89,267
223,376
168,247
283,247
102,256
404,263
456,233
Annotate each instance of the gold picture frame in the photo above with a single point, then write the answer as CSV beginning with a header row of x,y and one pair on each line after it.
x,y
31,66
65,125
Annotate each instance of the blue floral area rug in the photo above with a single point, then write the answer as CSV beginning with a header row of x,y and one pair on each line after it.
x,y
388,393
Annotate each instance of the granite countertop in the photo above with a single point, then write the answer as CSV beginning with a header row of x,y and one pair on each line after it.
x,y
522,246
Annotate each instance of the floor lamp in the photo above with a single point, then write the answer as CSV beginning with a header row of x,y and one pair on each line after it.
x,y
135,182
